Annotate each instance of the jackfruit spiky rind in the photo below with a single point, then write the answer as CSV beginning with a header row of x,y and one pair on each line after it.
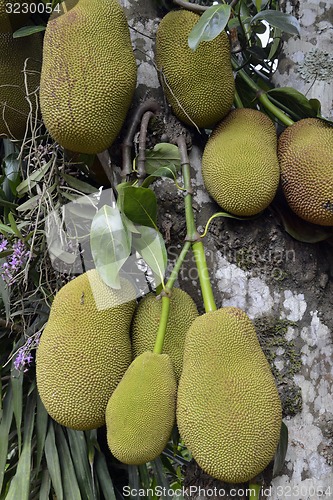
x,y
88,75
305,151
240,167
20,58
228,407
141,411
198,84
182,313
84,350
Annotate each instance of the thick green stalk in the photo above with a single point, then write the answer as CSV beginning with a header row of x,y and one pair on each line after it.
x,y
263,97
254,491
237,100
192,234
158,347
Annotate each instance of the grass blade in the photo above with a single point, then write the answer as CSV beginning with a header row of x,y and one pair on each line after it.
x,y
41,430
45,487
79,452
160,475
7,417
16,380
52,459
70,484
20,484
104,477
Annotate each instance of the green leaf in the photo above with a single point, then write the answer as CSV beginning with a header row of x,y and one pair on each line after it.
x,y
281,451
104,477
6,229
42,419
17,388
52,460
11,168
163,155
70,484
79,452
316,106
20,484
110,243
5,294
45,487
150,245
14,227
28,30
139,204
210,25
30,203
32,180
275,44
7,417
81,186
293,100
285,22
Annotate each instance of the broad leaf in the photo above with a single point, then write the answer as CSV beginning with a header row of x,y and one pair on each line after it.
x,y
139,204
11,168
285,22
281,451
294,100
210,25
110,243
150,245
28,30
163,156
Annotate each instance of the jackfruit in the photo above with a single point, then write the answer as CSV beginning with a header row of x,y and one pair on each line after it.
x,y
228,407
199,85
240,167
20,58
305,152
141,411
88,74
182,313
84,350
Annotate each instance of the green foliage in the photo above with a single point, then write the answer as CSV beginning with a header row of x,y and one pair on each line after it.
x,y
210,25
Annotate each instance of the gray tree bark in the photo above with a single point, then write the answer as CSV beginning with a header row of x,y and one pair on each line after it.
x,y
285,286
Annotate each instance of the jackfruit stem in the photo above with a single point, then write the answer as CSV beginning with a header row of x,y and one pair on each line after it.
x,y
158,347
237,100
192,234
263,97
254,491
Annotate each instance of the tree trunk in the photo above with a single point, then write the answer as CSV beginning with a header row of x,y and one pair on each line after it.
x,y
284,285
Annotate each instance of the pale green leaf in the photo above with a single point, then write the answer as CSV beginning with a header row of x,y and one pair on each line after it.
x,y
104,477
79,452
33,179
210,25
17,388
27,31
79,185
110,243
45,487
163,155
42,419
150,245
7,417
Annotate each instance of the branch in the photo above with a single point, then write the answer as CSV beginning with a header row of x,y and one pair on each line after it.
x,y
126,147
142,144
199,9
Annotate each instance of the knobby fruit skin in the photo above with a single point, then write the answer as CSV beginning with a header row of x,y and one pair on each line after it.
x,y
88,75
198,84
228,408
305,151
146,319
84,350
240,166
141,411
20,66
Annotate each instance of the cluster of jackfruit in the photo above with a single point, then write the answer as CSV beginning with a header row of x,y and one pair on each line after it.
x,y
20,62
228,409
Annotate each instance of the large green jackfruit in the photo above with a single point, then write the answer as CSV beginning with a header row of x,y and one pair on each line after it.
x,y
198,84
240,167
228,407
20,65
141,411
305,153
146,319
84,350
88,74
